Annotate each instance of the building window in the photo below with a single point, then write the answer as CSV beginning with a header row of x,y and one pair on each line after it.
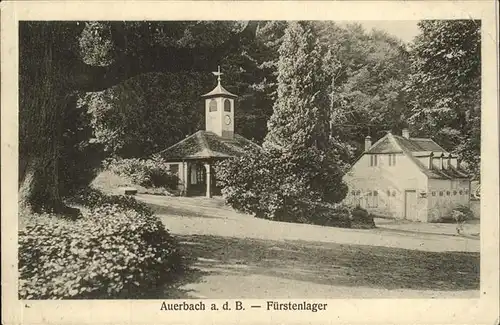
x,y
440,193
174,169
448,193
461,192
433,193
388,193
358,192
373,160
212,107
227,105
392,160
393,193
466,192
454,192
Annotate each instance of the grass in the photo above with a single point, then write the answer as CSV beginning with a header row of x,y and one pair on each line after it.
x,y
335,264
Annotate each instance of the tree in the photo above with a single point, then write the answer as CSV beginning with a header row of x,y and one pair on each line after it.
x,y
299,126
52,69
367,73
300,115
445,86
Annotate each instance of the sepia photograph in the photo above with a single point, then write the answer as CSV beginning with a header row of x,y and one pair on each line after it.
x,y
289,161
229,159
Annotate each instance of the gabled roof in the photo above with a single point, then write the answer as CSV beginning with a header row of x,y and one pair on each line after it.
x,y
416,147
205,144
397,144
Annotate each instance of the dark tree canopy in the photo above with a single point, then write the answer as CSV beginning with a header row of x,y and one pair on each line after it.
x,y
444,88
56,63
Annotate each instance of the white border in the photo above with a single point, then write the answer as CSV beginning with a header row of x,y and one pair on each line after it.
x,y
384,311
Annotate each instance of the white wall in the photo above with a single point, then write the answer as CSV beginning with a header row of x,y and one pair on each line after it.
x,y
441,205
475,206
405,175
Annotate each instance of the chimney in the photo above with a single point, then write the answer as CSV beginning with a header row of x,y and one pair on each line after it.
x,y
368,142
406,133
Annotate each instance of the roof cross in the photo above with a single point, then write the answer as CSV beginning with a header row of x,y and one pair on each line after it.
x,y
218,73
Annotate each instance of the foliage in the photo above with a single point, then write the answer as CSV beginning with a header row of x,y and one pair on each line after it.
x,y
93,199
445,86
366,73
79,158
461,213
361,218
153,172
59,59
331,215
114,251
300,112
271,184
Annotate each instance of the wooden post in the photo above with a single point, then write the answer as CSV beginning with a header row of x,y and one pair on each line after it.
x,y
208,180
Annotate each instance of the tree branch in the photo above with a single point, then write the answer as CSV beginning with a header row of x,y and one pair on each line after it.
x,y
85,77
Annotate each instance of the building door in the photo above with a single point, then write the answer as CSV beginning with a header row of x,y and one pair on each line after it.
x,y
411,204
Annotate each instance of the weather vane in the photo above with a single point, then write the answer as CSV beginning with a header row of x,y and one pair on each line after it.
x,y
218,73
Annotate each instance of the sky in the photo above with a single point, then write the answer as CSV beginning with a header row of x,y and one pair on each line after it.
x,y
404,29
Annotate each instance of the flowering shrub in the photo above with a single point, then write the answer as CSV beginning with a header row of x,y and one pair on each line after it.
x,y
113,251
152,172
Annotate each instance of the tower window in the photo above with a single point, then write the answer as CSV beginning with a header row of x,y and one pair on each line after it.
x,y
212,107
227,105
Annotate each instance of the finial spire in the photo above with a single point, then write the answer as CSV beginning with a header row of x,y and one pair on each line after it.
x,y
218,74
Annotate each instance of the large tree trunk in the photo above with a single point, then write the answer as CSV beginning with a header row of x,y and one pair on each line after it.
x,y
42,98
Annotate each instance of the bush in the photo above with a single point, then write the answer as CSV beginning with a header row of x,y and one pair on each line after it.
x,y
462,213
112,252
145,172
93,198
331,215
280,185
361,218
459,214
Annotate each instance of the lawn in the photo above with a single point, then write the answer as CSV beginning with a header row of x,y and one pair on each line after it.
x,y
237,256
333,264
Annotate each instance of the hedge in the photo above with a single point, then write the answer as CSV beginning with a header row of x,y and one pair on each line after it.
x,y
118,250
149,173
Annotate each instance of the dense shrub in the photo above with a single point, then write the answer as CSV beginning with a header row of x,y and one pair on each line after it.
x,y
361,218
462,213
459,214
280,185
93,198
113,251
332,215
152,172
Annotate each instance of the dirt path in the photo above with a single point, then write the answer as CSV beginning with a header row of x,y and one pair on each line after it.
x,y
238,256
